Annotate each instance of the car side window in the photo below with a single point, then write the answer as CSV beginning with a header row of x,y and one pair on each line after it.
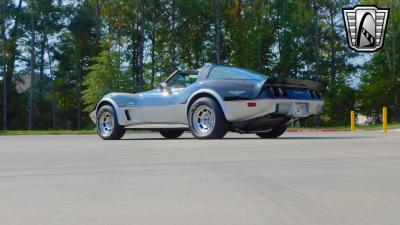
x,y
229,73
223,73
181,81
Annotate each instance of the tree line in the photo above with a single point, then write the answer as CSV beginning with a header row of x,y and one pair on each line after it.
x,y
70,53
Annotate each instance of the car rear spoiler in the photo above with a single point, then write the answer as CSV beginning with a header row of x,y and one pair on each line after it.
x,y
291,83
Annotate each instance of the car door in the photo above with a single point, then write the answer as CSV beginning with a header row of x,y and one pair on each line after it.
x,y
162,105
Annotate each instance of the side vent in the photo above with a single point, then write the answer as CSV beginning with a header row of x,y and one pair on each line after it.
x,y
127,115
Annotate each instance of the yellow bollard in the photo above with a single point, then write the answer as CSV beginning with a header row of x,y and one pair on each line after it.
x,y
384,119
352,121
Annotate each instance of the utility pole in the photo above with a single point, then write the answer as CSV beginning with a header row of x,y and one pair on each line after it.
x,y
218,31
98,26
395,77
3,34
53,96
317,56
32,62
172,67
316,24
52,85
141,45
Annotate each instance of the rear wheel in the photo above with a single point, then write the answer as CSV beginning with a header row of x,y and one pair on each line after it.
x,y
274,133
171,134
107,124
207,120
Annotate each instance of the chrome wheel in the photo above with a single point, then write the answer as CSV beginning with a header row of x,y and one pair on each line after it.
x,y
206,119
203,119
106,123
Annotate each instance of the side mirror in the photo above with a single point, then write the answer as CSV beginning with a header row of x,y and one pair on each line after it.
x,y
162,86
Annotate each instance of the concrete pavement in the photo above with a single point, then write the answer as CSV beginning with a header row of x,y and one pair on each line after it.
x,y
302,178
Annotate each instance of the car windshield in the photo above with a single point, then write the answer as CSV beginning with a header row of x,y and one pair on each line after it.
x,y
232,73
181,80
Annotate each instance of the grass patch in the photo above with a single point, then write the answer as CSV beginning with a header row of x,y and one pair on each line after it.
x,y
370,127
338,128
379,126
43,132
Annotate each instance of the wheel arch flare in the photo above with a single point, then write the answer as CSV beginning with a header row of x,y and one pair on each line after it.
x,y
107,101
211,94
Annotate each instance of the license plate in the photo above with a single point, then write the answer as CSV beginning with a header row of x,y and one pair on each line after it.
x,y
299,110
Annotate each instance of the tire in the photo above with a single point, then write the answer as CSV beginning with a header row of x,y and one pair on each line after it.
x,y
274,133
171,134
206,119
107,124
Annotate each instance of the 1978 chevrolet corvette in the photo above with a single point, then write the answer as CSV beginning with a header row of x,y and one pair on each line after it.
x,y
209,102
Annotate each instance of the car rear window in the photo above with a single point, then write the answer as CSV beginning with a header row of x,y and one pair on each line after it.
x,y
231,73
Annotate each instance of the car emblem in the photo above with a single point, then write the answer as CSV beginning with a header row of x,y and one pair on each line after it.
x,y
365,27
237,92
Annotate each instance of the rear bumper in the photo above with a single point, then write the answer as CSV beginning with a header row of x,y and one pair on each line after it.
x,y
236,111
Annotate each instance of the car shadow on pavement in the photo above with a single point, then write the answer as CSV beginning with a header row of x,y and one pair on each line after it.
x,y
253,138
331,137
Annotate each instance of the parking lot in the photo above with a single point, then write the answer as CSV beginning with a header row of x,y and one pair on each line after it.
x,y
301,178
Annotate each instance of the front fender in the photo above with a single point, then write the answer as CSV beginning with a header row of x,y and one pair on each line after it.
x,y
116,100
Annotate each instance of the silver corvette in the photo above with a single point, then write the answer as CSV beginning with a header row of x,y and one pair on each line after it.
x,y
210,102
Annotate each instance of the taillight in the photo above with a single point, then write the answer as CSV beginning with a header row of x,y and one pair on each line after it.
x,y
251,104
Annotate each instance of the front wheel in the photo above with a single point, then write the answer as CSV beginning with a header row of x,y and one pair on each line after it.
x,y
171,134
274,133
107,124
207,120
